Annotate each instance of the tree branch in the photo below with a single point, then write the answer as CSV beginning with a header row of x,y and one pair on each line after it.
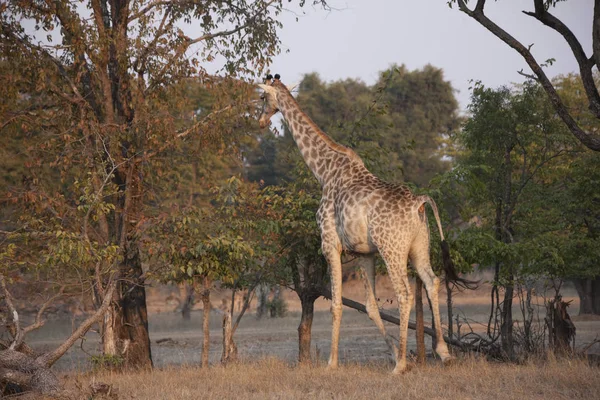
x,y
149,7
590,140
585,66
208,36
50,358
18,332
6,30
38,318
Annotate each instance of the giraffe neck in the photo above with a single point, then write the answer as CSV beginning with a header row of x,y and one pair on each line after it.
x,y
323,155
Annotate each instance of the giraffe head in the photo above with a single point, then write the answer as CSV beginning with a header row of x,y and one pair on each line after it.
x,y
273,89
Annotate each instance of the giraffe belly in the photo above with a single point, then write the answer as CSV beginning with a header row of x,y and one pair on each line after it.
x,y
354,235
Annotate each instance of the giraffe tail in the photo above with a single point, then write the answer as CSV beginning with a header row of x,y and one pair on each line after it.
x,y
449,268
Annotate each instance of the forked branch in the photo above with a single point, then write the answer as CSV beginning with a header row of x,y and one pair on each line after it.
x,y
590,140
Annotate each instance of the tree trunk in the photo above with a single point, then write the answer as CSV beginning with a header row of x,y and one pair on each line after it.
x,y
188,303
596,295
589,295
27,372
134,329
506,328
206,322
131,318
277,306
449,306
262,299
561,331
420,331
109,334
305,327
229,347
586,295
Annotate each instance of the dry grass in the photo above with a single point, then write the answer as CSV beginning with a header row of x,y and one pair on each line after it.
x,y
274,379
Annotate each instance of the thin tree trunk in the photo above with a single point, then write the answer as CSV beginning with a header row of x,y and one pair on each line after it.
x,y
188,303
433,335
305,327
506,328
229,347
596,296
420,331
449,305
206,322
586,295
109,334
261,300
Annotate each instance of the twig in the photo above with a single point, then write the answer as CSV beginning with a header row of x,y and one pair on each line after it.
x,y
38,318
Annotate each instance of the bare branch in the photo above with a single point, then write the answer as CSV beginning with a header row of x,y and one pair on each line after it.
x,y
202,121
18,332
51,357
585,66
590,140
528,76
208,36
6,30
140,63
39,322
149,7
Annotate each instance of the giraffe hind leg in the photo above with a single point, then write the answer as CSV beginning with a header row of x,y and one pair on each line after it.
x,y
419,256
396,261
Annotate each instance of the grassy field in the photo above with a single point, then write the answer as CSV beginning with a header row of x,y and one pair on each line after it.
x,y
275,379
269,347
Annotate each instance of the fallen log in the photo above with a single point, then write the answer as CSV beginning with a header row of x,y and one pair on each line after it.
x,y
21,366
396,321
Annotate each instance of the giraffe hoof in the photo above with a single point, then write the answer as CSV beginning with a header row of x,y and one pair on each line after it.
x,y
450,360
401,370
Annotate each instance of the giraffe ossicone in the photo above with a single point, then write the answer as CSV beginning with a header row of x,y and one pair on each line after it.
x,y
362,214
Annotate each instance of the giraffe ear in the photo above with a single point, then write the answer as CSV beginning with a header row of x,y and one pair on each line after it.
x,y
292,87
267,88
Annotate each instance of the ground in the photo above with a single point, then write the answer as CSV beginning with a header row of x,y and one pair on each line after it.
x,y
268,349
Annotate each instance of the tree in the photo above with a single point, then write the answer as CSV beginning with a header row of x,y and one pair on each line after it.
x,y
101,97
230,241
300,264
541,12
517,154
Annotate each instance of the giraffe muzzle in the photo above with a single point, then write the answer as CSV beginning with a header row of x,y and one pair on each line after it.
x,y
264,122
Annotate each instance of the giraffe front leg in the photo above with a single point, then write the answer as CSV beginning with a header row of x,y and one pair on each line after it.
x,y
333,257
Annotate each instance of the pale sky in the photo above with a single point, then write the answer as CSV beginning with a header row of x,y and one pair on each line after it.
x,y
361,38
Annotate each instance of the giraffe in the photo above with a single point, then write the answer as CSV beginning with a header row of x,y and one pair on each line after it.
x,y
361,214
